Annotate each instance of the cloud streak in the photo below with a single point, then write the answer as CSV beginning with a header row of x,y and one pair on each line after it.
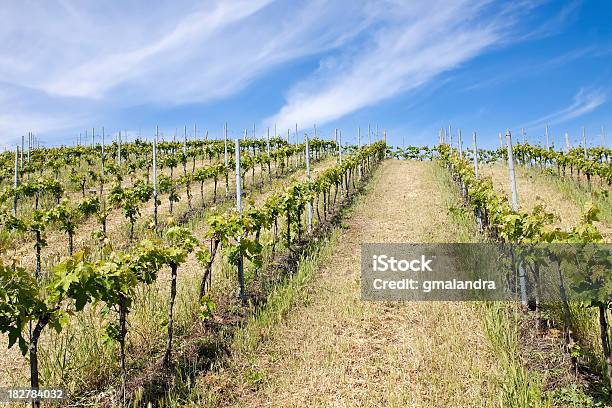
x,y
94,78
65,64
585,101
95,58
416,43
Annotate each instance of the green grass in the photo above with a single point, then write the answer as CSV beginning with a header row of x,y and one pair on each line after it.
x,y
518,387
289,293
285,296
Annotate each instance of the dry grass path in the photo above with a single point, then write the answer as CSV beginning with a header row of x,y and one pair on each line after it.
x,y
337,350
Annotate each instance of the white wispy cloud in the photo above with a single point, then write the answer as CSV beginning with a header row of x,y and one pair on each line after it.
x,y
95,77
585,101
94,57
67,63
418,41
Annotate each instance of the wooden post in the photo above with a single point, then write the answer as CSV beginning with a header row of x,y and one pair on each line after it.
x,y
369,135
187,184
309,213
511,171
315,136
340,145
225,160
119,150
475,154
547,141
225,144
29,145
102,165
359,148
336,139
238,175
185,148
460,147
567,142
584,143
521,269
16,181
268,141
241,291
155,177
475,147
297,156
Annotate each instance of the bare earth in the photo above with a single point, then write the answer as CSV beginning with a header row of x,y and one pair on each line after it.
x,y
338,350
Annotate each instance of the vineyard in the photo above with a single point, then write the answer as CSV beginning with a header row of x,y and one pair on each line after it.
x,y
196,272
105,220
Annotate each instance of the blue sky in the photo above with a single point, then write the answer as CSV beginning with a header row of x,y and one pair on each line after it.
x,y
409,67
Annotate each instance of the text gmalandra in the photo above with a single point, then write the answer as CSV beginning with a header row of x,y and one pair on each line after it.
x,y
429,285
455,284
